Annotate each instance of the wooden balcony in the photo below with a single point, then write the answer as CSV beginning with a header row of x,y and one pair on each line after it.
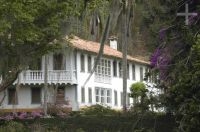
x,y
53,77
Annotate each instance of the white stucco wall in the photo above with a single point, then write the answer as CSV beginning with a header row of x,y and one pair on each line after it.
x,y
70,94
116,82
24,99
73,89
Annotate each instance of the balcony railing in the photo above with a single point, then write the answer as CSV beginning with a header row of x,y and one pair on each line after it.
x,y
53,76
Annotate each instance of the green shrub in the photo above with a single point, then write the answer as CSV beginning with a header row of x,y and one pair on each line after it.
x,y
12,126
98,110
139,94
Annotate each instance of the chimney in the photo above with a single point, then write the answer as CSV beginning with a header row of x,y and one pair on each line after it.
x,y
113,42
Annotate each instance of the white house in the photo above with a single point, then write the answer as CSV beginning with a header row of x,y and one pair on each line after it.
x,y
67,73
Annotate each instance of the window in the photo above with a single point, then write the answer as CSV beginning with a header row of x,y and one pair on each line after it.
x,y
97,92
120,69
90,95
128,99
12,97
115,96
108,96
146,74
133,72
36,95
121,98
103,71
82,63
141,74
103,95
128,76
58,62
89,63
114,68
83,95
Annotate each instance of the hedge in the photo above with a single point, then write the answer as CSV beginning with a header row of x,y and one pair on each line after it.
x,y
89,123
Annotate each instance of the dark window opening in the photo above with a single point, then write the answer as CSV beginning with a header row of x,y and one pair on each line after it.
x,y
141,74
133,72
82,63
89,63
36,95
12,97
114,68
58,62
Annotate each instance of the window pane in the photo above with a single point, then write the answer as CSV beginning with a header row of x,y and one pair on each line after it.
x,y
89,63
114,68
58,62
120,70
108,92
90,95
116,101
128,71
103,72
97,95
133,72
108,100
83,95
97,99
36,95
102,92
82,63
121,98
141,74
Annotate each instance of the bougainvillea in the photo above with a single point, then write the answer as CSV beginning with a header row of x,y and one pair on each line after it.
x,y
22,115
160,60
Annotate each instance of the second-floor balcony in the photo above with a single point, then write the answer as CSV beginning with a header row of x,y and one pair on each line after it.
x,y
53,77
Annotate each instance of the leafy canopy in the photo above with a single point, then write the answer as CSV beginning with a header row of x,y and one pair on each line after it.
x,y
28,30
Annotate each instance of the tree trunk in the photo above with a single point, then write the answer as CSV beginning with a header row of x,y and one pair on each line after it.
x,y
124,60
45,84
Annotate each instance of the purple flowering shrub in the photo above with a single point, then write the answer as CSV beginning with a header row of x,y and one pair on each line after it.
x,y
160,60
22,115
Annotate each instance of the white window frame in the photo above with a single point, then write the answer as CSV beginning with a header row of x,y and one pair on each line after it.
x,y
103,71
103,95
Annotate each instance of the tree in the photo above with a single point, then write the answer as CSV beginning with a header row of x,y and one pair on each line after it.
x,y
28,30
176,60
140,98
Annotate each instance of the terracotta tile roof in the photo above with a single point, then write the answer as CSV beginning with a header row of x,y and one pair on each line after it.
x,y
94,47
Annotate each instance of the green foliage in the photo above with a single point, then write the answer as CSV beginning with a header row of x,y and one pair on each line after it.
x,y
89,123
12,126
98,110
28,30
181,83
183,97
140,98
138,89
